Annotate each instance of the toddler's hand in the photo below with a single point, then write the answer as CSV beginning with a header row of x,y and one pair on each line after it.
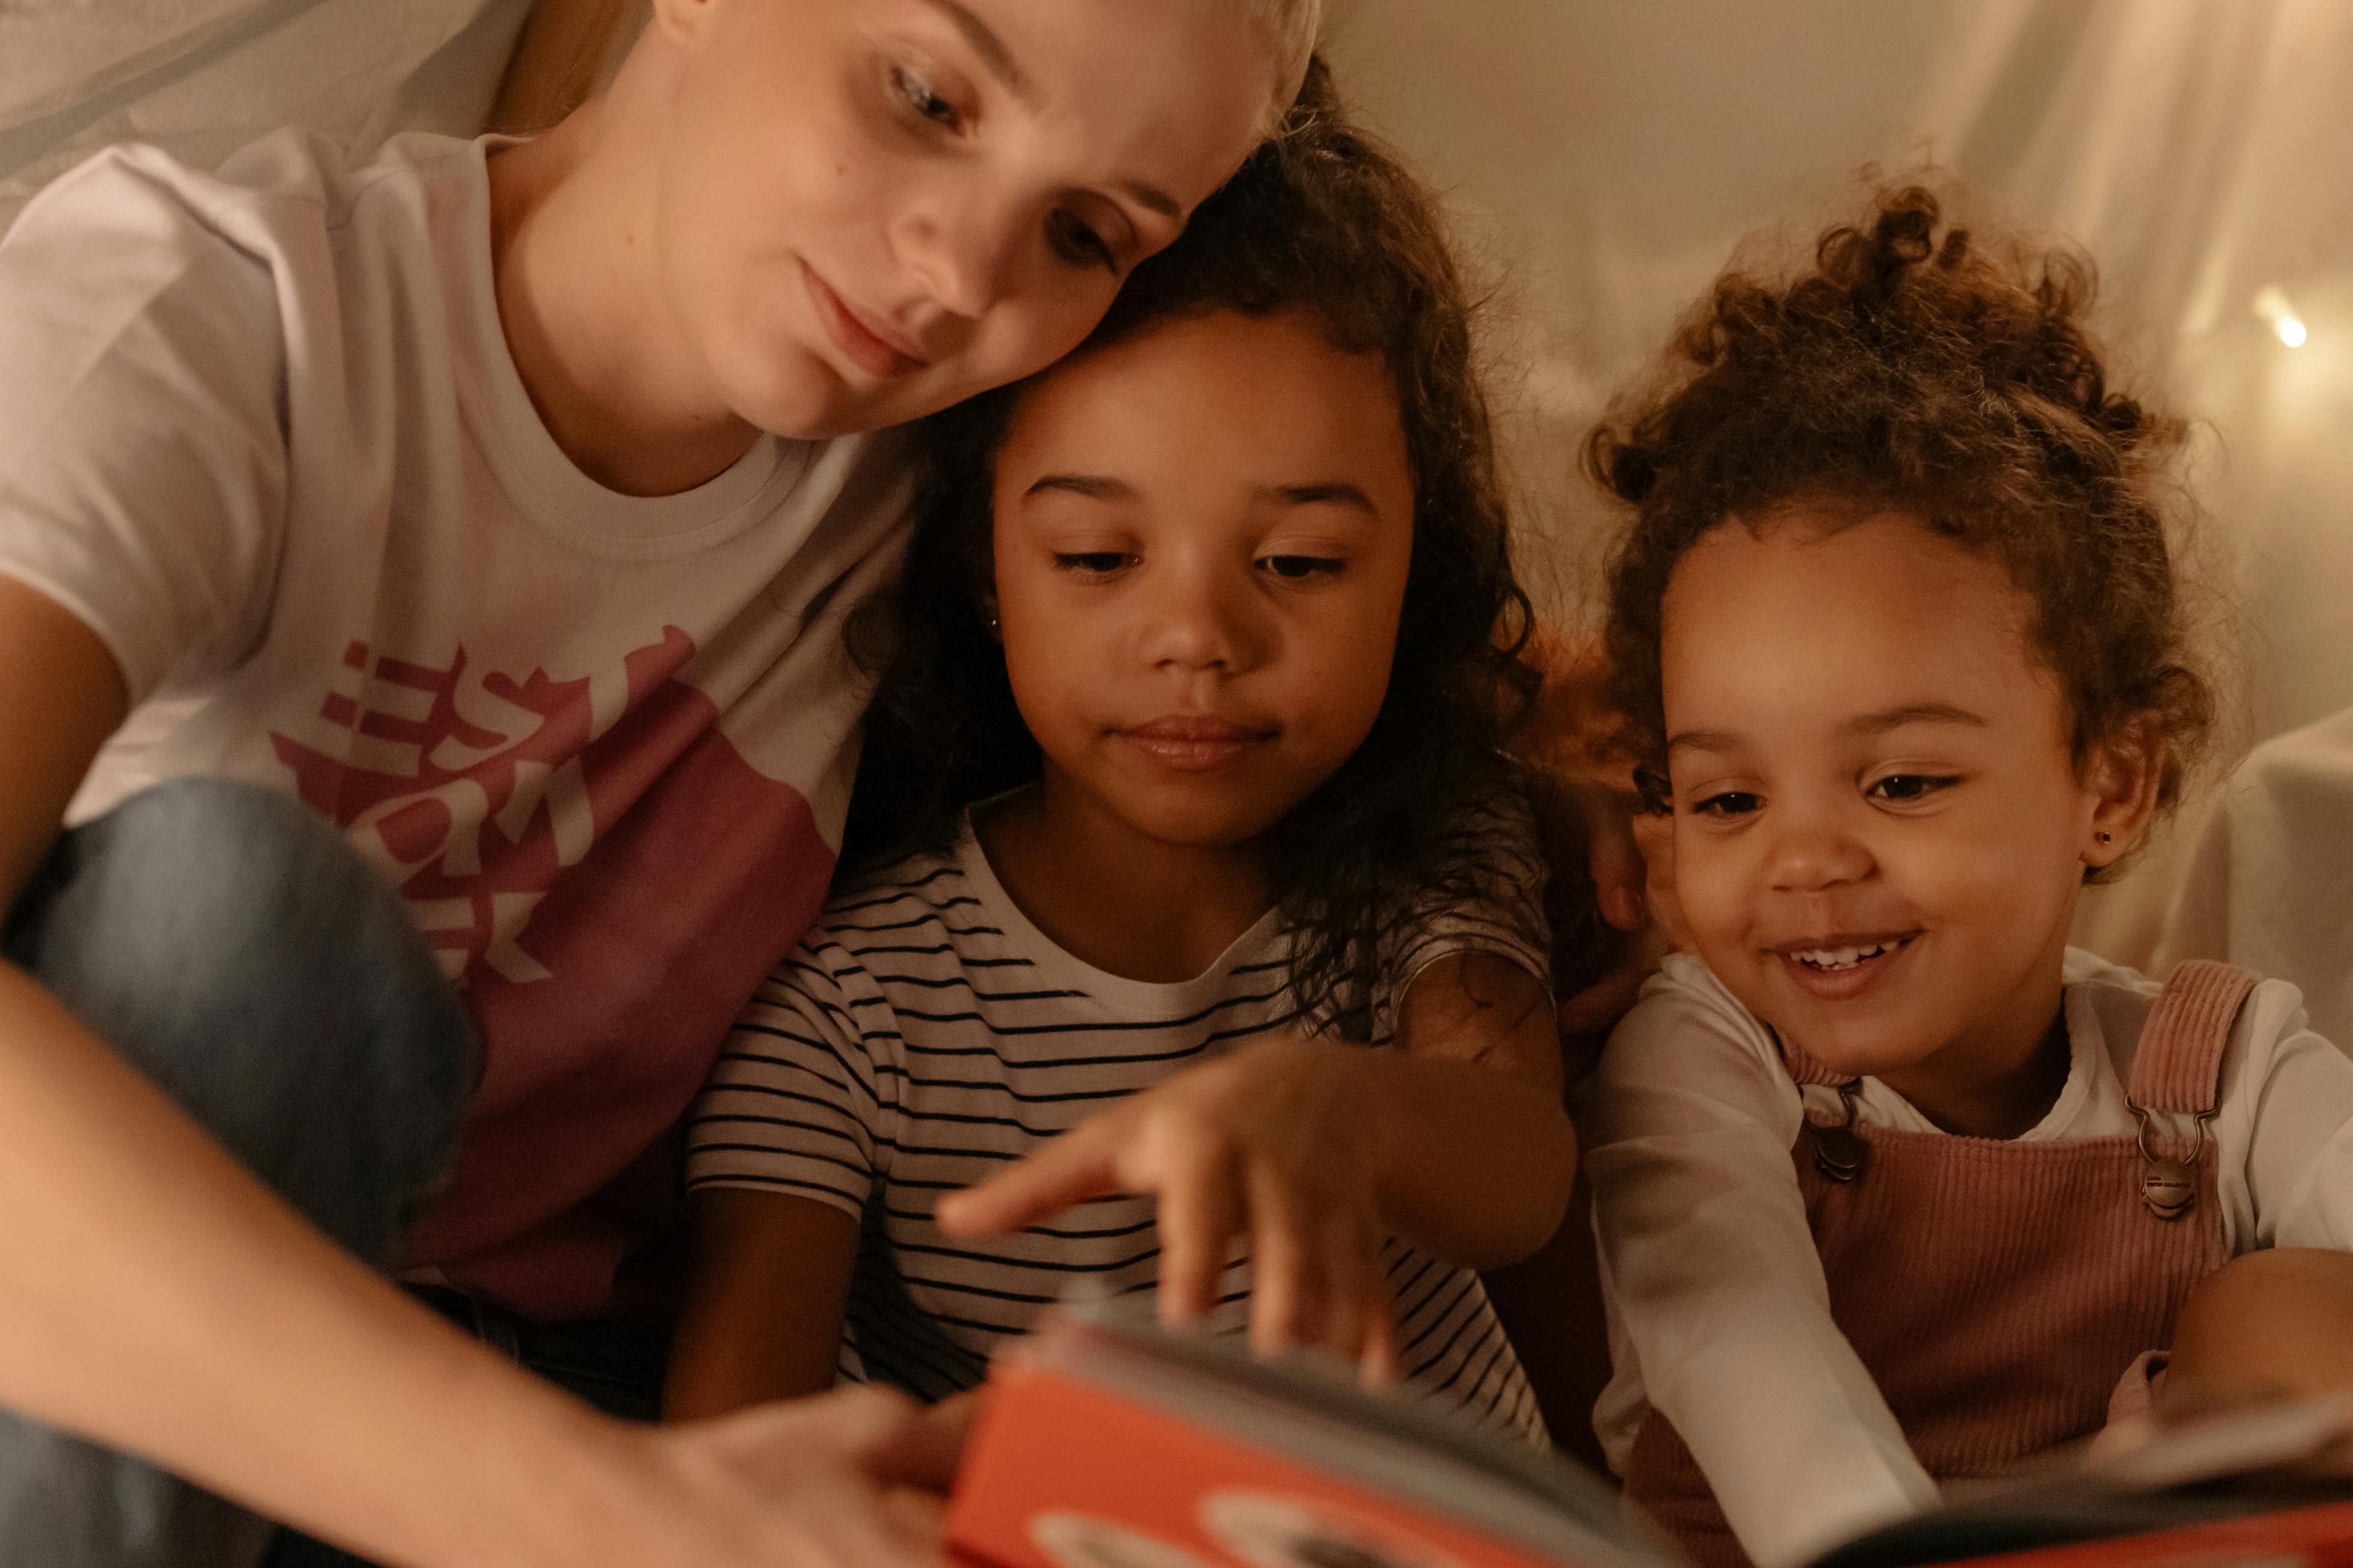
x,y
1269,1145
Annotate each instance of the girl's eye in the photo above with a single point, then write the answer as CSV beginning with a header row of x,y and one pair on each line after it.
x,y
1902,787
919,100
1095,562
1300,568
1730,803
1078,244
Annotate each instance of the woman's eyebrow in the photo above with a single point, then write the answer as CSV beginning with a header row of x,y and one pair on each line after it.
x,y
994,55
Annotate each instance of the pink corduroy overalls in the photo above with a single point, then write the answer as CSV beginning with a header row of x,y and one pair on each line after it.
x,y
1998,1291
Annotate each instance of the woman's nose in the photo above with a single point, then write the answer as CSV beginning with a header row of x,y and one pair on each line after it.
x,y
965,252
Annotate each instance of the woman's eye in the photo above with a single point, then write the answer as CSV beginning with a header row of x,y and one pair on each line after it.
x,y
916,94
1078,244
1098,562
1300,568
1908,786
1729,804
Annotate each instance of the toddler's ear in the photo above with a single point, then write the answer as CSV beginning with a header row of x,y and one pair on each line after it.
x,y
2122,778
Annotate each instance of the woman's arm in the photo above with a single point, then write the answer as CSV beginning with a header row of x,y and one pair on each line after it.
x,y
157,1297
764,1308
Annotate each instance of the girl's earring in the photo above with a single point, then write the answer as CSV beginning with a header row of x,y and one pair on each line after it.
x,y
997,631
2103,837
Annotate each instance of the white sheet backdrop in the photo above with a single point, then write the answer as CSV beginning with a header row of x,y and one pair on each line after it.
x,y
202,77
1611,155
2202,150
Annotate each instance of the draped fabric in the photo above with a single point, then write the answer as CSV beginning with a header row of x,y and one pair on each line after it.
x,y
1612,157
203,77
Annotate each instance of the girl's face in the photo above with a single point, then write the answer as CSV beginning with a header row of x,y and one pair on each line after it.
x,y
871,209
1880,827
1202,537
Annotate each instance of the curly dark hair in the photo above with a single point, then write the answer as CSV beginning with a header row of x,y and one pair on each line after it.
x,y
1324,221
1918,368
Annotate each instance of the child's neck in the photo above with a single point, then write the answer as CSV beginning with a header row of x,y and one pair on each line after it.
x,y
1113,897
2003,1078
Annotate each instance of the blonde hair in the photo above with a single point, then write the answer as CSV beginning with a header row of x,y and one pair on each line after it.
x,y
1290,27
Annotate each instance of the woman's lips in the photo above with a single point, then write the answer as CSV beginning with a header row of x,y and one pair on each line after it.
x,y
875,355
1192,743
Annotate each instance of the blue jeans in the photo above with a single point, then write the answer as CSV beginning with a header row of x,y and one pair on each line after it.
x,y
238,952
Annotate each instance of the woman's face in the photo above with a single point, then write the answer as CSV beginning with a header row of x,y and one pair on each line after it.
x,y
871,209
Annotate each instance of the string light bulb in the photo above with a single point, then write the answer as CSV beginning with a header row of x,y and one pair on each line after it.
x,y
2271,304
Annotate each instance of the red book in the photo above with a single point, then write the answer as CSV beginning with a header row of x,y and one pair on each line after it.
x,y
1105,1444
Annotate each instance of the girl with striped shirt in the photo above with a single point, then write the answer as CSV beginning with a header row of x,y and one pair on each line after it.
x,y
1190,747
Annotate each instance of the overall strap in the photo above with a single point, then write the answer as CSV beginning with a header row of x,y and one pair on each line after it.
x,y
2179,1066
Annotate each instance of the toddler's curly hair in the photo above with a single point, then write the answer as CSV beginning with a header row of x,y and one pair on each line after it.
x,y
1918,368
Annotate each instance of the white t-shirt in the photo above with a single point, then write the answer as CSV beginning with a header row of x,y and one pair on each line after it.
x,y
1719,1312
927,1033
262,432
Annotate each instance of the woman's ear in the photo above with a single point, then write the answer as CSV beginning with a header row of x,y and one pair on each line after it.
x,y
2122,777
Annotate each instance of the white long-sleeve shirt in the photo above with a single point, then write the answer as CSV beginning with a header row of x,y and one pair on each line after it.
x,y
1719,1312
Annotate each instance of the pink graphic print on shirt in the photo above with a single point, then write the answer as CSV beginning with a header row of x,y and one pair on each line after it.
x,y
607,878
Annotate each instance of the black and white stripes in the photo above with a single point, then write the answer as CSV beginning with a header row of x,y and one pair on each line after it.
x,y
925,1035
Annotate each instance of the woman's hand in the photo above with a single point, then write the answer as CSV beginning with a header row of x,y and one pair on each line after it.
x,y
848,1479
1274,1145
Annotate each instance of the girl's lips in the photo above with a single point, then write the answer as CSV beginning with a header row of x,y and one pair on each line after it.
x,y
875,355
1192,745
1846,983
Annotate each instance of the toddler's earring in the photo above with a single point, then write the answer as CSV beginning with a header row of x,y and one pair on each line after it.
x,y
2103,837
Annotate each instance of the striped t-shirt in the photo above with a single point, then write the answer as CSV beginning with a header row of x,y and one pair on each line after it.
x,y
926,1033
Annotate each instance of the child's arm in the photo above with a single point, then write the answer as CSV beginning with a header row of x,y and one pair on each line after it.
x,y
2277,1321
1709,1262
1316,1151
786,1146
765,1307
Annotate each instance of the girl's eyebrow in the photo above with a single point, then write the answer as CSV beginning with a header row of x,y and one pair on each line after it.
x,y
1913,713
1703,741
1864,725
1094,487
1332,493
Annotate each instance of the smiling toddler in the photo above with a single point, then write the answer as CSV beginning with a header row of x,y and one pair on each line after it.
x,y
1894,1186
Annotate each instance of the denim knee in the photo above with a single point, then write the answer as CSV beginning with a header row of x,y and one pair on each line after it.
x,y
236,950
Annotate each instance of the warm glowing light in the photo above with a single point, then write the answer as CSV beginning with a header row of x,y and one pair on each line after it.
x,y
2272,305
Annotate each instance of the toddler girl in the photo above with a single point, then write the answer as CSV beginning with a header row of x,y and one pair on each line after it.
x,y
1213,630
1892,1185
